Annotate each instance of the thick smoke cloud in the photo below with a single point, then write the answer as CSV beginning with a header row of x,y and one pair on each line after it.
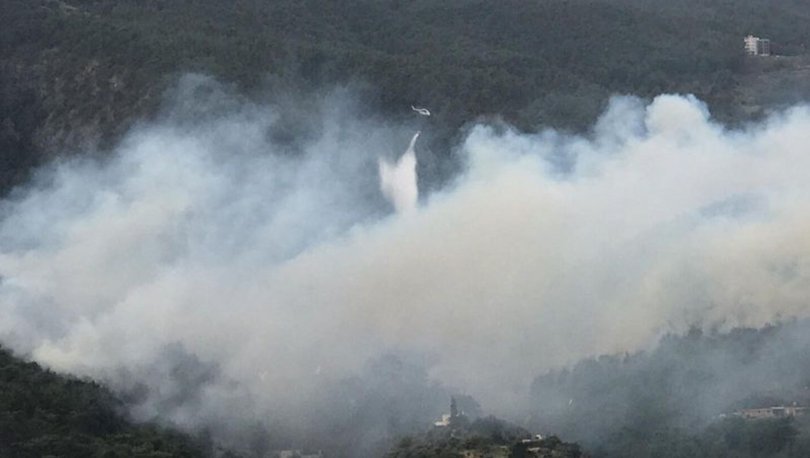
x,y
274,267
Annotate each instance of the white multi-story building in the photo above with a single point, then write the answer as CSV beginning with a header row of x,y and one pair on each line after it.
x,y
755,46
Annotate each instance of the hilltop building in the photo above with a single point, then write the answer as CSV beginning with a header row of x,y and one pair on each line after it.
x,y
755,46
444,421
452,418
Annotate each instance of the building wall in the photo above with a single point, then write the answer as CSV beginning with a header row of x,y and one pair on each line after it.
x,y
764,47
751,45
771,412
755,46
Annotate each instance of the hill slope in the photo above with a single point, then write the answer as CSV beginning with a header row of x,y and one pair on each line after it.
x,y
669,401
45,414
77,73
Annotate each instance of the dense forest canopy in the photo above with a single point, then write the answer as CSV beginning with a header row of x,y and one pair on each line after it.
x,y
77,72
47,414
680,398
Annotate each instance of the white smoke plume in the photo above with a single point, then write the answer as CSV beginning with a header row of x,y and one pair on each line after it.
x,y
398,182
210,239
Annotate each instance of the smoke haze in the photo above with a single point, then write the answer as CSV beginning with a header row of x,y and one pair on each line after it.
x,y
274,270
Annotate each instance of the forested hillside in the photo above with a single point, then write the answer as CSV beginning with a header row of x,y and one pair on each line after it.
x,y
484,437
76,73
46,414
679,400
